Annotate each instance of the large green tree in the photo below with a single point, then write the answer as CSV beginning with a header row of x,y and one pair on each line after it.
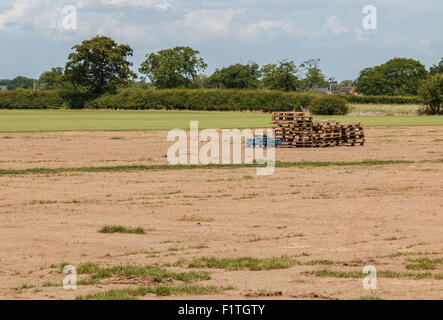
x,y
431,91
281,76
21,82
236,76
173,68
99,65
313,76
51,79
436,68
399,76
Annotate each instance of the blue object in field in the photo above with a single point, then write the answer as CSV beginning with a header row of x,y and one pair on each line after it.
x,y
263,141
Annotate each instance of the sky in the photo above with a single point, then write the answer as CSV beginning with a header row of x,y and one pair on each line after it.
x,y
37,35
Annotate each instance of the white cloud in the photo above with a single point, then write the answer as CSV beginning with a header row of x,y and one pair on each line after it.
x,y
208,21
138,3
361,34
335,26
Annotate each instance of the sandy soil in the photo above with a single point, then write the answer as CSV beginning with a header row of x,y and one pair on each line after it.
x,y
79,149
353,216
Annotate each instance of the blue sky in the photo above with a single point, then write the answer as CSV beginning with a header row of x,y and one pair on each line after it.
x,y
225,32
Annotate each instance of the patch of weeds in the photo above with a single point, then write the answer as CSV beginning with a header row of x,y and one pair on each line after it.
x,y
159,274
439,276
48,284
41,202
359,274
424,264
391,239
243,263
247,196
24,286
248,177
63,265
88,268
196,218
175,192
278,164
122,229
370,298
132,294
318,262
417,244
256,238
198,246
116,138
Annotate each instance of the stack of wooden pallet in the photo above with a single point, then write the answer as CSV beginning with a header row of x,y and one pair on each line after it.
x,y
352,134
293,128
327,133
297,130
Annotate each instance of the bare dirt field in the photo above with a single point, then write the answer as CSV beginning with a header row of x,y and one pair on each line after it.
x,y
307,233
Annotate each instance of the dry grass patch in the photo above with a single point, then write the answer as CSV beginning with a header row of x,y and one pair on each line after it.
x,y
196,218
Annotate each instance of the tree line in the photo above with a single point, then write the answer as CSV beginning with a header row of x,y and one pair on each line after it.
x,y
100,65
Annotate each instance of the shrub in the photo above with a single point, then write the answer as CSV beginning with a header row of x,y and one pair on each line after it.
x,y
431,91
74,98
29,99
329,105
384,99
204,100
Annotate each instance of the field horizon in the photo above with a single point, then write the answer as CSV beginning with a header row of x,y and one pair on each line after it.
x,y
140,120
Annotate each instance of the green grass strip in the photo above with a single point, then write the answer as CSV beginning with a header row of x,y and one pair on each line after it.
x,y
132,294
359,274
159,274
190,166
122,229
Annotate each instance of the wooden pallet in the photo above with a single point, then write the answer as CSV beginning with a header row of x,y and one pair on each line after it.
x,y
297,130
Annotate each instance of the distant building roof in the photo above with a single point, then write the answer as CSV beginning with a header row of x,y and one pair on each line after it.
x,y
3,88
321,90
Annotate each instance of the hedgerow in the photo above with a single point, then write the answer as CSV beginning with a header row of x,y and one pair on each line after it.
x,y
29,99
192,99
204,100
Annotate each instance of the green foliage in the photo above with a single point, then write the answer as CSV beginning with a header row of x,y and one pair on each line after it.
x,y
51,79
329,105
29,99
122,229
314,77
157,273
133,293
236,76
4,82
384,99
21,82
204,100
243,263
436,68
399,76
173,68
75,98
99,65
280,77
431,91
